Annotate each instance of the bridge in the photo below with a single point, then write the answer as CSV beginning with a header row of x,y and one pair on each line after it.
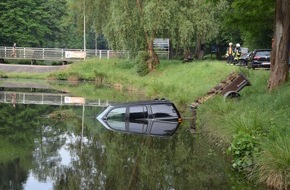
x,y
11,97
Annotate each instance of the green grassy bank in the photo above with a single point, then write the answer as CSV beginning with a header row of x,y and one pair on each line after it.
x,y
253,130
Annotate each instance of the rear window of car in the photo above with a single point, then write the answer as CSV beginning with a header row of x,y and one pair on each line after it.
x,y
263,53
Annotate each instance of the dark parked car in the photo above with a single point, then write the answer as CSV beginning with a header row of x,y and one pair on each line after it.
x,y
154,118
260,58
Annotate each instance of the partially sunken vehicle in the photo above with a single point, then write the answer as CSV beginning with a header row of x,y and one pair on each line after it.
x,y
154,118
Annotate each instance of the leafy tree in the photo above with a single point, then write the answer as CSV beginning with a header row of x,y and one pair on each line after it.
x,y
195,23
31,23
252,21
133,25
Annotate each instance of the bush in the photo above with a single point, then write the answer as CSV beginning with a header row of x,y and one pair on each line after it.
x,y
142,68
242,150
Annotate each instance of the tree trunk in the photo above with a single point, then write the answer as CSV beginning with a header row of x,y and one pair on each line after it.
x,y
153,60
280,46
199,49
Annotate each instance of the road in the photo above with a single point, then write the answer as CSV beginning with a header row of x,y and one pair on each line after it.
x,y
9,68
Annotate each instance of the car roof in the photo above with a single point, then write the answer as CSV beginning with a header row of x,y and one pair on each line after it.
x,y
143,102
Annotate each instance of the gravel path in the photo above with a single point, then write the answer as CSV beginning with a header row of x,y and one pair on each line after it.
x,y
30,68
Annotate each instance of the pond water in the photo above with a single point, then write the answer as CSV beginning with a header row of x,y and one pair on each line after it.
x,y
47,143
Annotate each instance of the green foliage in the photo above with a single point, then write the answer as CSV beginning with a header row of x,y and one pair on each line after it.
x,y
242,150
141,63
254,24
31,23
18,125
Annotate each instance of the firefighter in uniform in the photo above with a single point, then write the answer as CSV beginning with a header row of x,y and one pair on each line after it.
x,y
230,53
238,53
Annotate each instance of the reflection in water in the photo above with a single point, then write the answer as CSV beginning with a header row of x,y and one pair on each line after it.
x,y
61,152
12,174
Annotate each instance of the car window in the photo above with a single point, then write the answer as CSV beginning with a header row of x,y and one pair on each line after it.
x,y
163,110
116,118
137,126
117,114
263,53
163,128
138,112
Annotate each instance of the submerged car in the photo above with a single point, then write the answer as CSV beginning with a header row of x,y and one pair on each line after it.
x,y
260,58
154,118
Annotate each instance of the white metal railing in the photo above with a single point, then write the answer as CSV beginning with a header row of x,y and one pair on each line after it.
x,y
58,54
43,99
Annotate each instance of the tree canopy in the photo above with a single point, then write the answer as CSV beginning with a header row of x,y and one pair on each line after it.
x,y
31,23
131,24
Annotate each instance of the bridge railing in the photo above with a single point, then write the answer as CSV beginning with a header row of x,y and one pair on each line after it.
x,y
58,54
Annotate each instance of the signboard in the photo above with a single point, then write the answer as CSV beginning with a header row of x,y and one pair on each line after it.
x,y
75,54
74,100
160,43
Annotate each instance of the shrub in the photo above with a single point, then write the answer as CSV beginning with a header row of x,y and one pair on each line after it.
x,y
242,150
140,60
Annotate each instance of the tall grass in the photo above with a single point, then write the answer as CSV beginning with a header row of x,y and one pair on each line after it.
x,y
273,162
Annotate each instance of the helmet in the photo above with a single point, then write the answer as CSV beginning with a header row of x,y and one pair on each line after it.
x,y
238,45
230,43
